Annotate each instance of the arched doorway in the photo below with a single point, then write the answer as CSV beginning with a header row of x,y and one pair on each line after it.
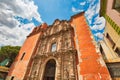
x,y
49,72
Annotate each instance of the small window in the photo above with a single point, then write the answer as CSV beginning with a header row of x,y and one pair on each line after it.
x,y
53,47
117,50
101,49
103,53
12,78
110,40
22,56
116,5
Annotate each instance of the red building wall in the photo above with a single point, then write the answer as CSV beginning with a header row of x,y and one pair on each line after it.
x,y
19,67
91,66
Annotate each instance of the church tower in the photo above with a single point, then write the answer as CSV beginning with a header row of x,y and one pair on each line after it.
x,y
64,50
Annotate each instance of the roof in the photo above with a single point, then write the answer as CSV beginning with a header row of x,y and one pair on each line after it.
x,y
78,14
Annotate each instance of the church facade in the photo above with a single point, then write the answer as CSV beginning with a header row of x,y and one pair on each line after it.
x,y
65,50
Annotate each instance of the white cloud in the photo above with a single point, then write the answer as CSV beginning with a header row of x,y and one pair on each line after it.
x,y
82,3
92,10
23,8
99,35
16,35
10,32
99,24
76,10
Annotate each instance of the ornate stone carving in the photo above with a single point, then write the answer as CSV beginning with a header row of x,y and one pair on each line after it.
x,y
61,33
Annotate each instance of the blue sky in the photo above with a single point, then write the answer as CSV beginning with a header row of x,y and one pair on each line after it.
x,y
52,9
19,17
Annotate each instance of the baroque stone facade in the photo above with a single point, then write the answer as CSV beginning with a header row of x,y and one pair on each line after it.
x,y
64,55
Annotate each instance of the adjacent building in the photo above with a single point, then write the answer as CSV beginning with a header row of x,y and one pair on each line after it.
x,y
65,50
110,46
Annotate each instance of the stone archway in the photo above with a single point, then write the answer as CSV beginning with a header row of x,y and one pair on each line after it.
x,y
50,69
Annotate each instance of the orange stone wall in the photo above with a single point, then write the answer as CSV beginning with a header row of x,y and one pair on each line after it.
x,y
19,67
91,65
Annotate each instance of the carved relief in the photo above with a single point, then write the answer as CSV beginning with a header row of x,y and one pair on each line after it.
x,y
59,33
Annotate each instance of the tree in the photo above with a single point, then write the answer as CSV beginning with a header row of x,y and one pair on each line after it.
x,y
9,52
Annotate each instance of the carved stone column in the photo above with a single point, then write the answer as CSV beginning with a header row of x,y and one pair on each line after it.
x,y
58,67
72,67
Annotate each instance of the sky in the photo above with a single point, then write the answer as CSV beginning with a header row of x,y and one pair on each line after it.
x,y
19,17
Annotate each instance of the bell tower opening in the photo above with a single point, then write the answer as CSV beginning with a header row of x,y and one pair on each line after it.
x,y
49,72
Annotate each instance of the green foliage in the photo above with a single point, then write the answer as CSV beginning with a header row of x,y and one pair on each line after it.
x,y
9,52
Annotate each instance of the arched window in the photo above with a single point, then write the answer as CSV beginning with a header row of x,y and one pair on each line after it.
x,y
53,47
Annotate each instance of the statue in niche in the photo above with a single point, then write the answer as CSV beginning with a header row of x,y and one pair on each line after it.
x,y
66,74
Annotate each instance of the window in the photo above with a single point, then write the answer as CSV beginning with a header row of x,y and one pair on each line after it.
x,y
110,40
53,49
102,52
116,5
101,49
12,78
117,50
22,56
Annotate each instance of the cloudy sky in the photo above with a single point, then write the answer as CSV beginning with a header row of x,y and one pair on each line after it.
x,y
19,17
